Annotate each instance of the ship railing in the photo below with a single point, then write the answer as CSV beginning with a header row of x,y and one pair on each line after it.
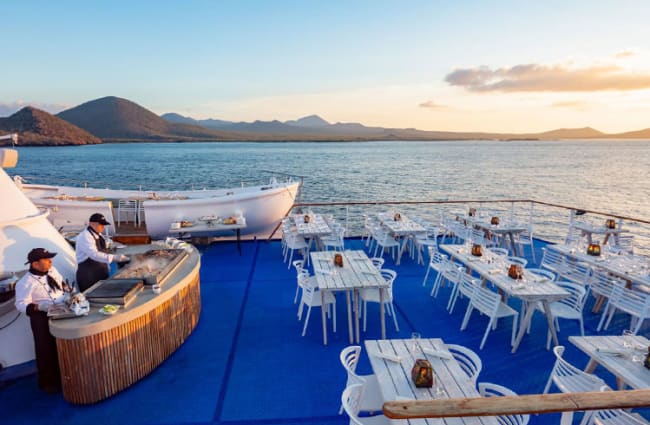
x,y
550,221
265,179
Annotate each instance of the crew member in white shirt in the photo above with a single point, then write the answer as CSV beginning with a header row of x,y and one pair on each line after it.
x,y
92,254
36,292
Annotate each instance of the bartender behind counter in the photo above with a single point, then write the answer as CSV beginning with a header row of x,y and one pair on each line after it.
x,y
36,292
92,256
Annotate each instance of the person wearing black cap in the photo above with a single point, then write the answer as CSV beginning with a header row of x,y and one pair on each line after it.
x,y
92,256
36,292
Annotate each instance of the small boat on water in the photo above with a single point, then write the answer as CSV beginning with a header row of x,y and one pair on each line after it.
x,y
261,206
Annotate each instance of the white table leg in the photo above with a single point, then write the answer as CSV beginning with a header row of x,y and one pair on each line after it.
x,y
528,316
347,301
381,313
355,296
401,250
549,320
323,316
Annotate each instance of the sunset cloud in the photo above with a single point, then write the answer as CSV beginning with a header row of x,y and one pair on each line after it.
x,y
430,104
9,108
548,78
572,104
625,53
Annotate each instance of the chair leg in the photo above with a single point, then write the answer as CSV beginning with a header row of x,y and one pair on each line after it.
x,y
514,330
334,316
426,276
394,316
485,335
602,317
365,314
468,313
304,328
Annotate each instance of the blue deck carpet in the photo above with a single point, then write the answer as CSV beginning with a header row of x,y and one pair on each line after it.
x,y
246,362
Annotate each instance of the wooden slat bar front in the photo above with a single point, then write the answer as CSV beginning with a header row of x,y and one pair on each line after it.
x,y
102,355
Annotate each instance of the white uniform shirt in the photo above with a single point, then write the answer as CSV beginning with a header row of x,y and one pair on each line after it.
x,y
33,289
86,247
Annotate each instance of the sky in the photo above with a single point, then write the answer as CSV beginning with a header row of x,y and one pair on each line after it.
x,y
495,66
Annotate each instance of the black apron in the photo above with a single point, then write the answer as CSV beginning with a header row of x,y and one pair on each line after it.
x,y
47,358
91,271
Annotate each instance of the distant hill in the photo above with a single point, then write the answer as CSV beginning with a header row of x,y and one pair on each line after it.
x,y
39,128
180,119
640,134
571,133
115,119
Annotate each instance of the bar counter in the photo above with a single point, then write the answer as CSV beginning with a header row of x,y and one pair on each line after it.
x,y
101,355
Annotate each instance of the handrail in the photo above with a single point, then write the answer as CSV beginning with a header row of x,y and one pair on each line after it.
x,y
467,201
517,405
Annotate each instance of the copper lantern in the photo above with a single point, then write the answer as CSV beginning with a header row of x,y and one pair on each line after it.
x,y
593,249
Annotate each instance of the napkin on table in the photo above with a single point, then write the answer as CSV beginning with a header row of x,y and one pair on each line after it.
x,y
441,354
612,351
388,356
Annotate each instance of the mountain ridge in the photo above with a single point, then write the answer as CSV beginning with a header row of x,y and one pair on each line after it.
x,y
113,119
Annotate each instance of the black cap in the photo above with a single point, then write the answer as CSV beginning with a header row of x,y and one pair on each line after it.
x,y
38,254
98,218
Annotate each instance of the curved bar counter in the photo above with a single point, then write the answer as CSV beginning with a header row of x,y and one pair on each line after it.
x,y
101,355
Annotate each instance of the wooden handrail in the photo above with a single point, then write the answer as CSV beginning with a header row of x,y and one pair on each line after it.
x,y
514,405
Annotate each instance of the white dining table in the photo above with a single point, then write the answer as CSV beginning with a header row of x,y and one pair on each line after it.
x,y
404,228
589,230
531,289
506,230
392,360
632,268
610,352
358,272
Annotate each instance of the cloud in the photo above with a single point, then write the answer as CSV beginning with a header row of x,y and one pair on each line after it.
x,y
548,78
571,104
9,108
626,53
430,104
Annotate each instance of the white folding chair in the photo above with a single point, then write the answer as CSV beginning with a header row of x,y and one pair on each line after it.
x,y
490,304
634,303
371,295
372,400
569,379
311,297
487,389
567,308
351,402
468,360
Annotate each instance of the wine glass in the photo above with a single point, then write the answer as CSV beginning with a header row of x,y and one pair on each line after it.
x,y
415,342
438,389
628,335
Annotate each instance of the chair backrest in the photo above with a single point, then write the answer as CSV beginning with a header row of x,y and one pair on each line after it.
x,y
378,262
542,272
488,389
625,243
349,359
630,301
351,402
518,260
576,300
499,251
298,265
466,284
468,360
485,301
552,260
437,260
616,417
570,379
308,286
601,283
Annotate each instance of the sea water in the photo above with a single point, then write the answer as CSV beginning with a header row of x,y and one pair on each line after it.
x,y
607,176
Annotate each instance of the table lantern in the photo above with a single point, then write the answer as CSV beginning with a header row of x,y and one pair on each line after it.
x,y
593,249
610,223
397,217
422,374
494,221
306,218
338,260
477,250
471,212
515,271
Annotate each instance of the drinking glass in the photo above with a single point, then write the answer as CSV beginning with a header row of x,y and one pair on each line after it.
x,y
415,342
627,339
438,390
